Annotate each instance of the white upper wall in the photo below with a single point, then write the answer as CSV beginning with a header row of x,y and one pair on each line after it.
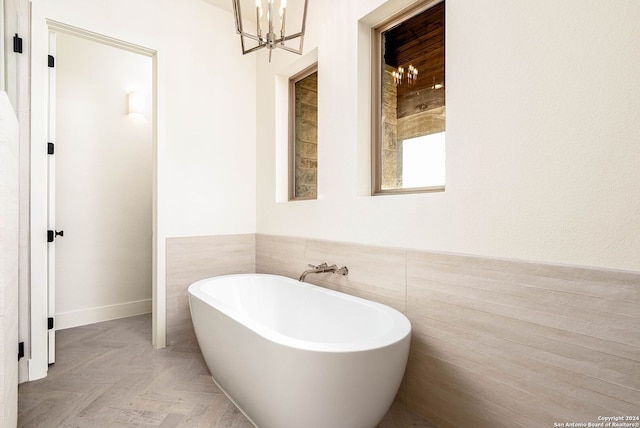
x,y
206,90
542,129
543,136
205,181
103,164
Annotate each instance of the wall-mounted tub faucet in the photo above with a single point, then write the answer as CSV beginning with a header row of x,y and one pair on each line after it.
x,y
323,268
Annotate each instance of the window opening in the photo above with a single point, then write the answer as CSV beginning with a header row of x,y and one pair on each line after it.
x,y
303,134
410,111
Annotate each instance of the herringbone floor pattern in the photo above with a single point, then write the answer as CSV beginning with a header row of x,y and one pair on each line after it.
x,y
109,375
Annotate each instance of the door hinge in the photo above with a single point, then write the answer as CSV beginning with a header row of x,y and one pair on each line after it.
x,y
51,234
17,44
50,323
50,148
20,350
51,62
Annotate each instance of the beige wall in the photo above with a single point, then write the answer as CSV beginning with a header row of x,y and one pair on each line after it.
x,y
190,259
495,342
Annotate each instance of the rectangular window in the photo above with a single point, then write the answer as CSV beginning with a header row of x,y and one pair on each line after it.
x,y
303,134
409,101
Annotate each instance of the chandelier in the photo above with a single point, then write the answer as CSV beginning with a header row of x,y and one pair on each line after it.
x,y
412,75
270,33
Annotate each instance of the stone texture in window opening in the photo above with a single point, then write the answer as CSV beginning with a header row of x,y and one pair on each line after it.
x,y
306,137
391,154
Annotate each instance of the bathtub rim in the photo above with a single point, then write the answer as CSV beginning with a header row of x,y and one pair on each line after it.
x,y
399,333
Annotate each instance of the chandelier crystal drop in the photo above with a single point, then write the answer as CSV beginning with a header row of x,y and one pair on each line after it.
x,y
270,28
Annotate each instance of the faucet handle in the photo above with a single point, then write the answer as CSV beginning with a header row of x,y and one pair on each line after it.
x,y
343,271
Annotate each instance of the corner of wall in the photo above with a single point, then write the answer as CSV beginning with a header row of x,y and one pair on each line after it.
x,y
9,253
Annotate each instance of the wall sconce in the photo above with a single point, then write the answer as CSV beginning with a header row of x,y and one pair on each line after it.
x,y
136,103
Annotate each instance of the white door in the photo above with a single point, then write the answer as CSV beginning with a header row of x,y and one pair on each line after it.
x,y
51,202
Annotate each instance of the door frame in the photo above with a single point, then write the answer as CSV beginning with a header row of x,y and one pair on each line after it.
x,y
51,205
38,304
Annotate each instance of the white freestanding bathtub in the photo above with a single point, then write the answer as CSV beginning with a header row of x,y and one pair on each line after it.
x,y
291,354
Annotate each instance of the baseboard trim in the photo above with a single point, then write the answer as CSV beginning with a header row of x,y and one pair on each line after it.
x,y
71,319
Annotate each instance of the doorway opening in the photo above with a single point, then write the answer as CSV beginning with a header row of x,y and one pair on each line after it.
x,y
102,186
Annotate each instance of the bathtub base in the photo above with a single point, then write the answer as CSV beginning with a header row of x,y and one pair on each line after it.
x,y
233,401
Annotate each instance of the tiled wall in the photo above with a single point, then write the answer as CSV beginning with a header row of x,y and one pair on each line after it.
x,y
495,343
9,248
193,258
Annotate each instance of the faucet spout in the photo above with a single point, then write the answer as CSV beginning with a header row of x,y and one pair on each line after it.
x,y
321,268
324,268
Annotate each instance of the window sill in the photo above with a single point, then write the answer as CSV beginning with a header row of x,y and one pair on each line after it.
x,y
409,191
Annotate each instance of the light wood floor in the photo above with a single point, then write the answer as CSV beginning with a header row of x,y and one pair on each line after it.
x,y
109,375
